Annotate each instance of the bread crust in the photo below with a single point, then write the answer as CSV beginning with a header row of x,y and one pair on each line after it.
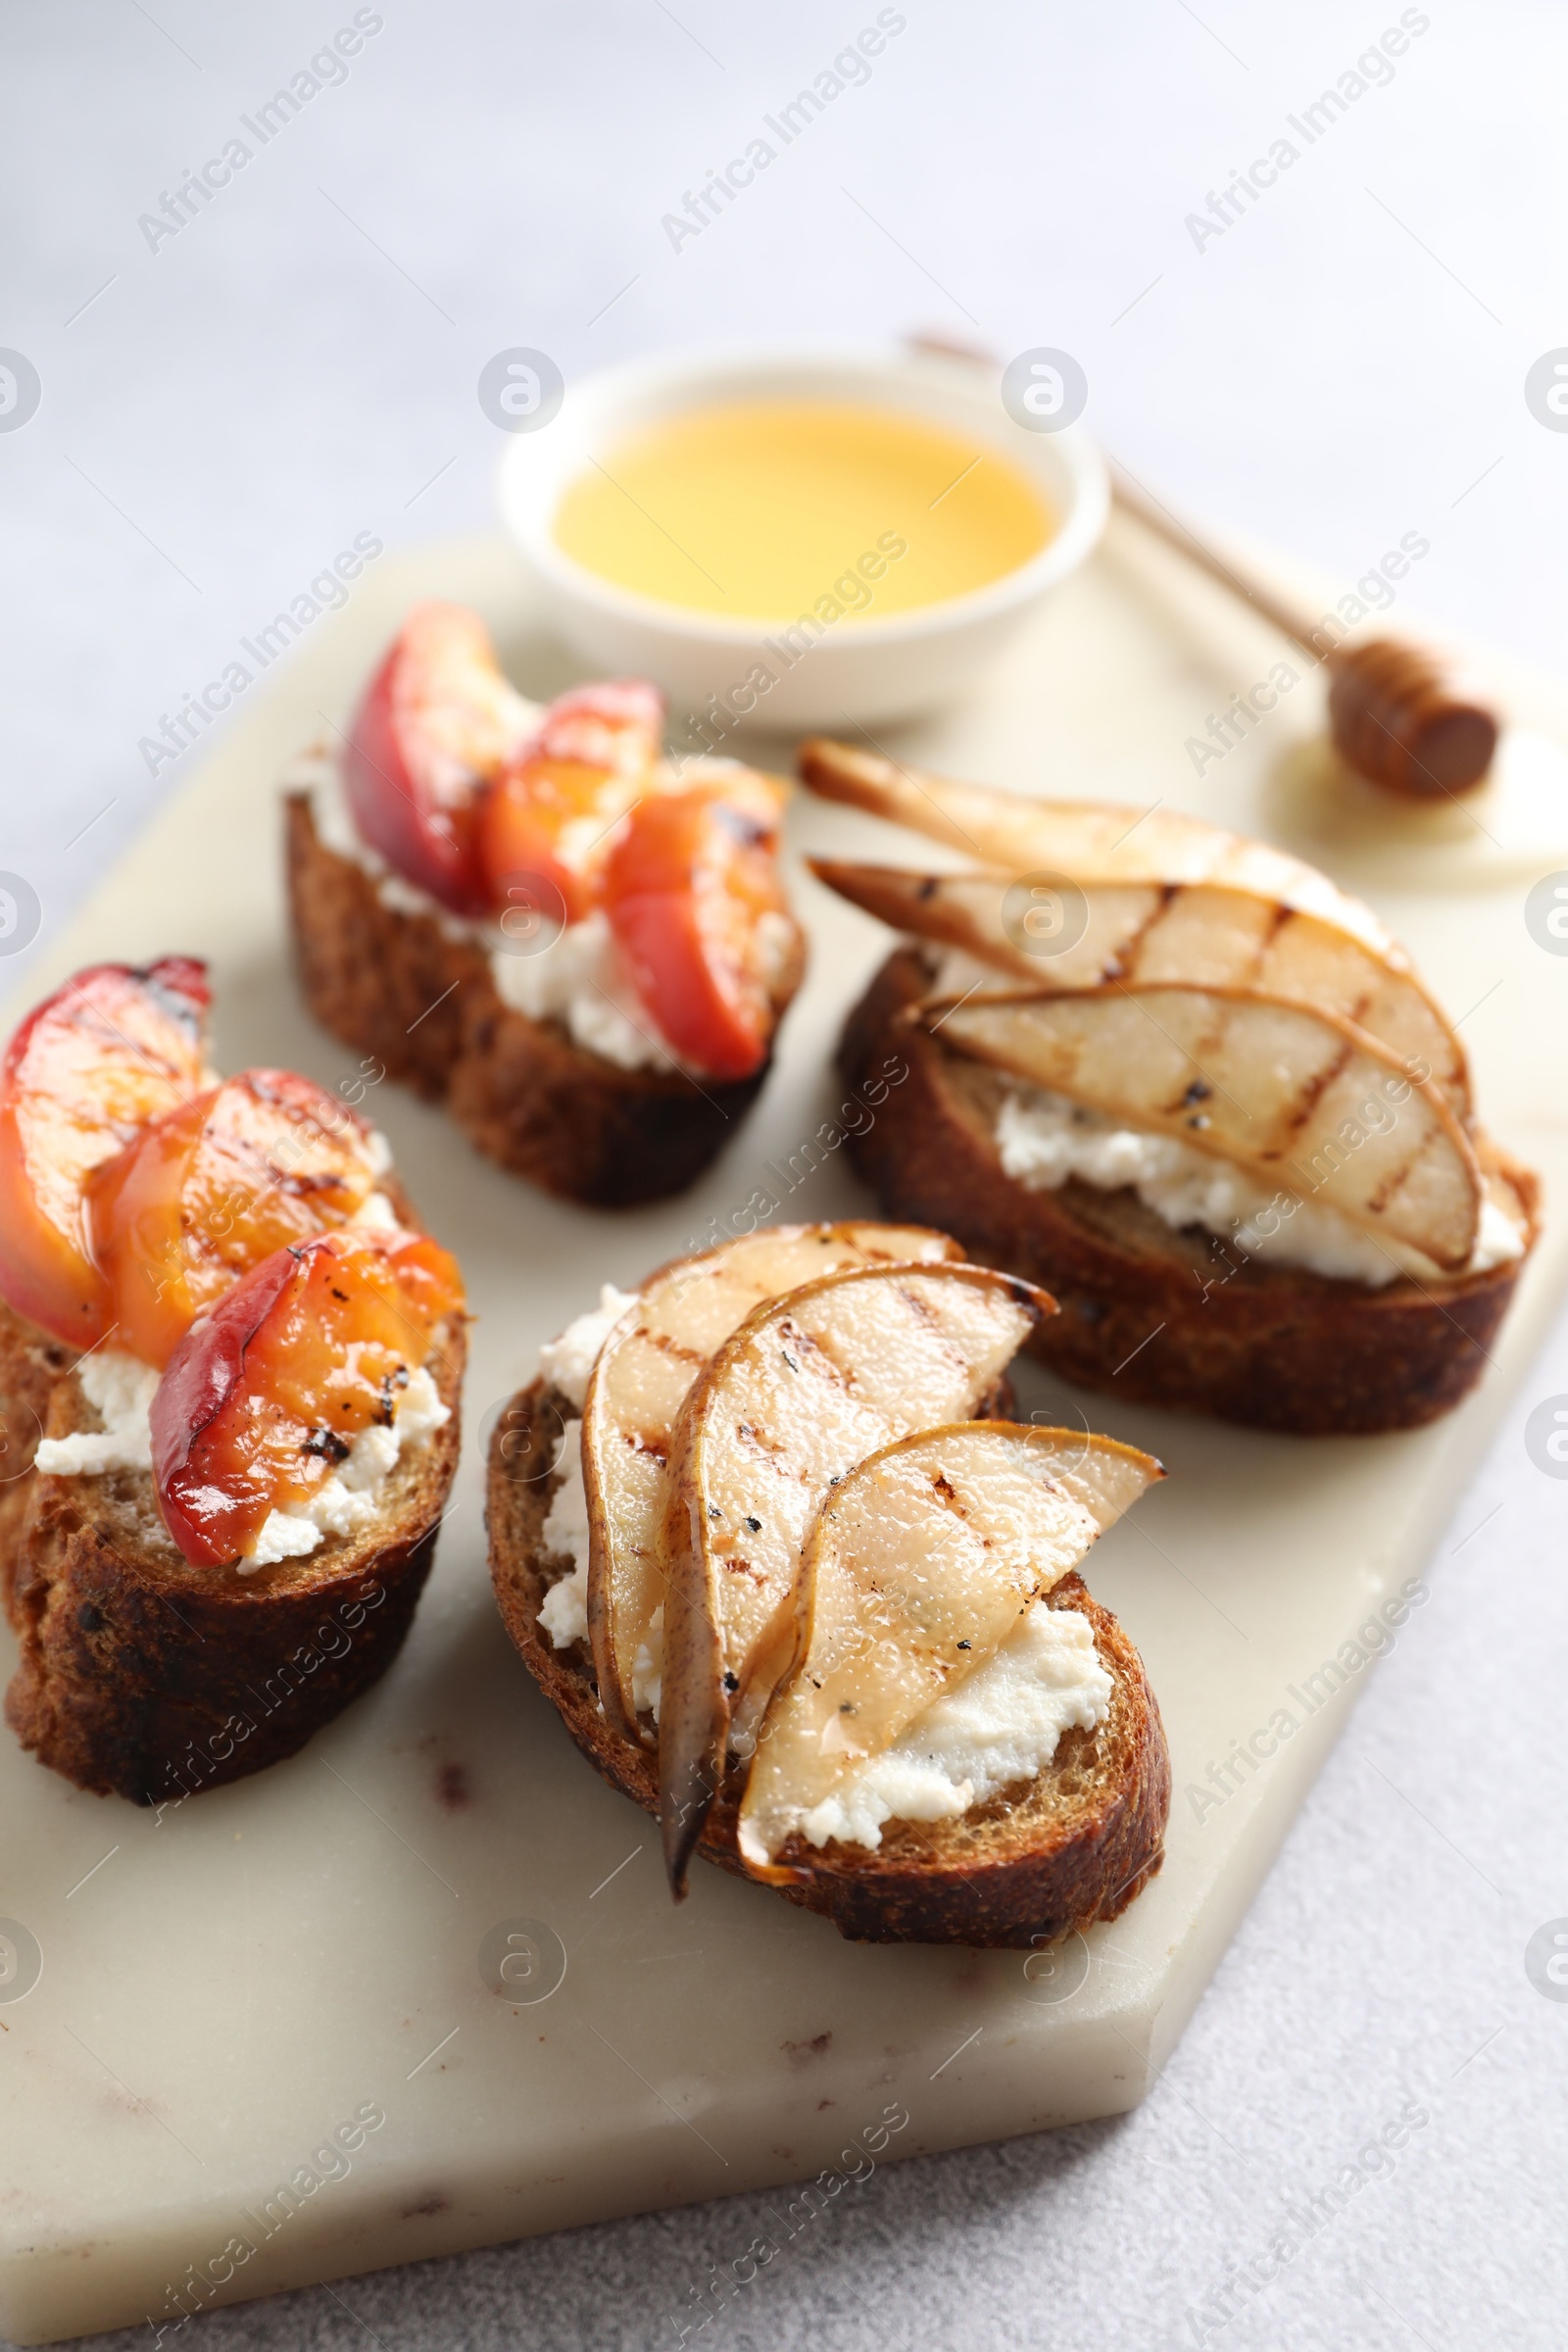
x,y
140,1676
1030,1867
410,990
1274,1348
31,1366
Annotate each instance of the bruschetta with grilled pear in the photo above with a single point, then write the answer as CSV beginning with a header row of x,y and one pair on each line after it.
x,y
1187,1083
765,1536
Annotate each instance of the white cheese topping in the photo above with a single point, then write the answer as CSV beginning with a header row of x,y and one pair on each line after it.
x,y
648,1667
999,1727
567,1363
119,1389
775,944
563,1613
1042,1139
375,1209
580,981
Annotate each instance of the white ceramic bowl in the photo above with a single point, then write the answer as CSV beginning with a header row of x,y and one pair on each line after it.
x,y
856,669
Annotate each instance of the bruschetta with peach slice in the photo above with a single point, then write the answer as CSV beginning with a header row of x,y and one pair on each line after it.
x,y
528,913
231,1363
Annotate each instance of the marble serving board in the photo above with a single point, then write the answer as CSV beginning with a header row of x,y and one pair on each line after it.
x,y
421,1988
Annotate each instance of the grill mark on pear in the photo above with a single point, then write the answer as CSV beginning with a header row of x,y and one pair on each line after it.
x,y
1123,962
1307,1101
1281,917
802,1352
1391,1184
664,1342
1397,1182
921,1311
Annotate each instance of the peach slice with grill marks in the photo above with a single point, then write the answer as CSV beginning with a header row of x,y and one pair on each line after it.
x,y
264,1397
686,888
438,722
114,1049
211,1189
547,825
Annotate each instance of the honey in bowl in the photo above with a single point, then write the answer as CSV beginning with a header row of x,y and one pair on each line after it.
x,y
766,509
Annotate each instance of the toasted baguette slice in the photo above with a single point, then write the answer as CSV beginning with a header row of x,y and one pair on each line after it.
x,y
410,988
1154,1315
32,1367
140,1676
1052,1856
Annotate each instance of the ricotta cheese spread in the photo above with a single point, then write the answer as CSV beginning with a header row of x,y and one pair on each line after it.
x,y
563,1611
999,1727
119,1387
648,1667
579,980
1042,1139
567,1363
576,978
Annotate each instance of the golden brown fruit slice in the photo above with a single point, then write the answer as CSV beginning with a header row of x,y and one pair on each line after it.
x,y
114,1047
634,1399
265,1396
1198,934
1298,1100
914,1574
211,1189
1093,841
801,1393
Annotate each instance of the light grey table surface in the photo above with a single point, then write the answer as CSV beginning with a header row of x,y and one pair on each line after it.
x,y
225,408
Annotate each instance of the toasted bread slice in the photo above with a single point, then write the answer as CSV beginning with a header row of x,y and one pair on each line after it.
x,y
1053,1854
1157,1316
143,1677
411,988
32,1367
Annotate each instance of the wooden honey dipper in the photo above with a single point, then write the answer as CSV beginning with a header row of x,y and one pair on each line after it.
x,y
1400,716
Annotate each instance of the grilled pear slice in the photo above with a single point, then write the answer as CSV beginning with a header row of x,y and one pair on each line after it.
x,y
1298,1100
634,1399
915,1571
1093,841
805,1390
1198,934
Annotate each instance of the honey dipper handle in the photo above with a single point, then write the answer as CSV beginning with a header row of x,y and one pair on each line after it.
x,y
1287,618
